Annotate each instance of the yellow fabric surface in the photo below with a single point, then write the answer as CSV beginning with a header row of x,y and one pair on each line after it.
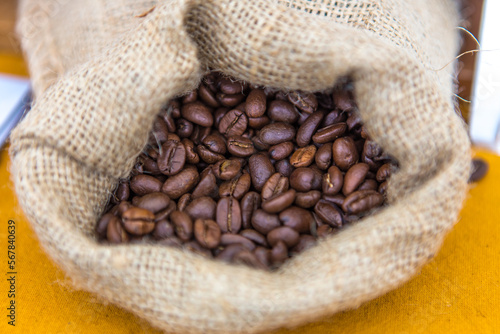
x,y
457,292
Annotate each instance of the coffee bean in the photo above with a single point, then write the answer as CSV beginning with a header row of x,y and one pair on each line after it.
x,y
184,201
163,229
202,207
183,225
343,99
145,184
305,242
184,128
219,114
384,172
323,157
305,179
368,184
208,156
138,221
345,154
115,233
303,157
308,199
325,231
227,169
256,103
261,170
240,146
296,218
236,187
154,202
192,96
334,117
361,201
255,236
181,183
207,185
191,156
276,133
264,222
207,233
329,133
159,132
284,167
308,128
122,192
275,185
383,188
249,204
229,215
215,143
164,214
230,86
281,151
234,123
197,113
172,157
102,225
282,111
354,177
354,122
306,102
279,253
329,213
149,166
208,96
279,202
258,123
230,239
230,252
230,100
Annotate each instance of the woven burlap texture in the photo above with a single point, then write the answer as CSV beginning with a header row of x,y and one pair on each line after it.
x,y
101,74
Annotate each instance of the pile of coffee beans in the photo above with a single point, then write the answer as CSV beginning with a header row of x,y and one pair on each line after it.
x,y
250,174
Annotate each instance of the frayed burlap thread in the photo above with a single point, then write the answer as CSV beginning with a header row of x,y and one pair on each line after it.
x,y
101,74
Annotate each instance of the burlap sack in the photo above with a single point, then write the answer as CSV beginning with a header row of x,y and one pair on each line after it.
x,y
101,74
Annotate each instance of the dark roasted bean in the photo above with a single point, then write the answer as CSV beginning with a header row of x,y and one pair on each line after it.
x,y
305,179
181,183
202,207
207,185
256,103
102,225
276,133
184,128
306,102
255,236
303,157
229,215
236,187
183,225
297,218
230,239
208,96
208,156
282,111
230,100
164,214
281,151
184,201
191,156
240,146
279,202
264,222
384,172
138,221
354,177
329,133
122,192
261,170
230,86
198,113
307,200
323,156
227,169
258,122
234,123
145,184
215,143
344,153
361,201
207,233
368,184
284,167
249,204
163,229
308,128
172,157
329,213
115,233
154,202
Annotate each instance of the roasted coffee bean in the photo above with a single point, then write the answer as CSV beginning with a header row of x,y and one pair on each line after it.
x,y
163,229
384,172
115,233
191,156
261,170
354,177
249,204
145,184
207,233
334,117
138,221
259,144
303,157
383,188
308,128
284,167
343,100
305,179
325,100
282,111
208,156
173,137
305,242
230,239
181,183
345,154
240,146
102,225
215,143
263,255
276,133
122,192
208,96
337,199
279,202
172,157
230,100
184,128
256,103
218,115
198,113
329,213
329,133
255,236
183,225
184,201
229,215
368,184
323,157
207,185
159,132
281,151
279,253
165,213
275,185
479,170
149,166
361,201
230,86
264,222
201,208
236,187
234,123
230,252
258,123
286,234
354,122
172,108
297,218
248,259
195,247
192,96
227,169
306,102
154,202
325,230
307,200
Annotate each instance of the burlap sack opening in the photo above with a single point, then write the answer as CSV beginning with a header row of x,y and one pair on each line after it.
x,y
101,75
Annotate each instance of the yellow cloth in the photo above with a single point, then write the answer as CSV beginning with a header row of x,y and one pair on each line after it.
x,y
457,292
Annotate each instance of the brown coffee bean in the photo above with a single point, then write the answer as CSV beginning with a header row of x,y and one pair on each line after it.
x,y
264,222
230,239
325,231
279,253
197,113
172,157
183,225
354,177
305,179
229,252
361,201
276,133
165,213
263,255
184,128
115,233
163,229
305,242
334,117
479,169
215,143
230,86
329,133
145,184
282,111
181,183
259,144
173,137
345,154
218,115
384,172
207,233
354,122
383,188
230,100
201,208
192,96
275,185
308,199
184,201
306,102
234,123
337,199
256,103
255,236
237,187
191,156
208,156
261,170
368,184
308,128
227,169
102,225
207,185
258,123
122,192
284,167
240,146
228,215
323,157
303,157
297,218
208,96
281,151
329,213
249,204
286,234
172,108
138,221
149,166
343,99
279,202
159,132
154,202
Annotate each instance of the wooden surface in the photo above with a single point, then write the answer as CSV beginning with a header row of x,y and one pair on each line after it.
x,y
8,42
